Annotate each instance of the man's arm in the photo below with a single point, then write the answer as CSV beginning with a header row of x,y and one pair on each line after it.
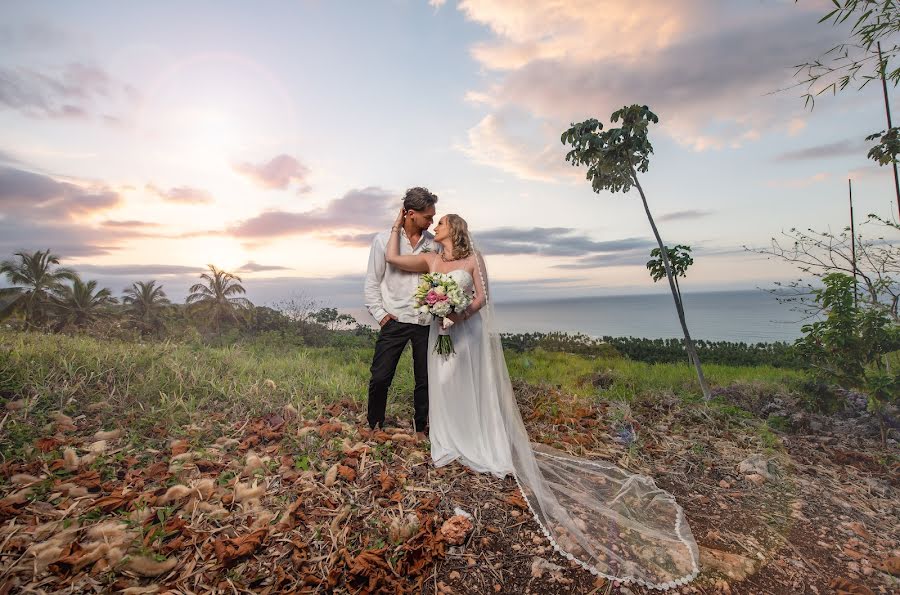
x,y
374,275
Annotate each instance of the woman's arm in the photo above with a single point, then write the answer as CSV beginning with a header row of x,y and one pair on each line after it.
x,y
414,263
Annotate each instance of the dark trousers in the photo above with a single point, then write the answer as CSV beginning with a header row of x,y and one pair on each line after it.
x,y
391,340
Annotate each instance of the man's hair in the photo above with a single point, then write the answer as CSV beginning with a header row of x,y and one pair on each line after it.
x,y
419,199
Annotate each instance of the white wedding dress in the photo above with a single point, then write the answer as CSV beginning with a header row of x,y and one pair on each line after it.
x,y
466,424
614,523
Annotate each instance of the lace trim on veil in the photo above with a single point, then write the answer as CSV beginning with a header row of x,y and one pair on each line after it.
x,y
592,569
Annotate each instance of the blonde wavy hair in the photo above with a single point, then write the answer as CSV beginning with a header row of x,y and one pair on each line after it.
x,y
459,233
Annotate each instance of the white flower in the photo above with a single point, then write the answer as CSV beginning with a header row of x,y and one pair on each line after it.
x,y
441,309
423,309
440,290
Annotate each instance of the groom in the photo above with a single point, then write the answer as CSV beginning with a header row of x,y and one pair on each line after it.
x,y
389,299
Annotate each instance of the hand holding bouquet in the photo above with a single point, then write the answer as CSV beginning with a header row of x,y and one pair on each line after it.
x,y
440,295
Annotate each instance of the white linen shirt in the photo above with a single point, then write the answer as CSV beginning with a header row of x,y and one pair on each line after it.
x,y
389,290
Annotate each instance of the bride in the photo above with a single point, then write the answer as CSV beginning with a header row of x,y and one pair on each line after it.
x,y
614,523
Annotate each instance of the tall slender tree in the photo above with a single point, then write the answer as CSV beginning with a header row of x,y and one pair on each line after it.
x,y
36,277
613,158
146,302
217,299
81,303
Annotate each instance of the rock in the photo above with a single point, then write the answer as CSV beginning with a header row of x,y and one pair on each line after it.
x,y
734,566
859,529
455,529
756,464
755,478
539,566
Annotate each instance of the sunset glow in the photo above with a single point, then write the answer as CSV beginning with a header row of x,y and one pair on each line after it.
x,y
275,141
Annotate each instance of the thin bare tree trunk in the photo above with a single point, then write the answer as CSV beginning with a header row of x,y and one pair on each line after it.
x,y
887,109
688,342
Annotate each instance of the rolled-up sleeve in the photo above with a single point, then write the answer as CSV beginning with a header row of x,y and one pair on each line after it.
x,y
374,275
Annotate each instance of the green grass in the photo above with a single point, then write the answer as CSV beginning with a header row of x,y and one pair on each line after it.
x,y
572,372
177,385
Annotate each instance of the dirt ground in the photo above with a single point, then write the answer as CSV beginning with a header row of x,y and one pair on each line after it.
x,y
284,504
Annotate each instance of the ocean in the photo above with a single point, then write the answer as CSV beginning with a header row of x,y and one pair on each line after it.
x,y
751,316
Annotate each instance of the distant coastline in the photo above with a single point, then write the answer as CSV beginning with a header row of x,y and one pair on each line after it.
x,y
749,316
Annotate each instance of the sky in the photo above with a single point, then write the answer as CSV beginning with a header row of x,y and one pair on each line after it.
x,y
273,139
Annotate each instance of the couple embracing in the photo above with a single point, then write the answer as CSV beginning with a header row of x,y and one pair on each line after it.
x,y
614,523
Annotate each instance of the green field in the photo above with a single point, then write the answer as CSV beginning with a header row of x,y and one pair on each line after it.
x,y
178,384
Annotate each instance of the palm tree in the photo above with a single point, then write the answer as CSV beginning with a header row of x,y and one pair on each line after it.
x,y
82,303
35,281
216,298
146,302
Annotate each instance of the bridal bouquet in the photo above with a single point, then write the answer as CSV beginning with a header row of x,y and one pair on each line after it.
x,y
440,295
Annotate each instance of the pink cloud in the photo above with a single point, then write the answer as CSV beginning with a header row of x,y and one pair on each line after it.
x,y
182,194
31,195
366,209
277,173
77,91
705,67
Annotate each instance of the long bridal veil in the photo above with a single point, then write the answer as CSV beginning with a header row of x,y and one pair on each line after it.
x,y
614,523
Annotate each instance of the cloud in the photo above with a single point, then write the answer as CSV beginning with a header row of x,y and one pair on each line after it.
x,y
139,270
253,267
24,193
551,241
705,67
182,194
639,255
836,149
365,209
277,173
66,240
681,215
8,159
359,240
490,143
131,224
76,92
628,258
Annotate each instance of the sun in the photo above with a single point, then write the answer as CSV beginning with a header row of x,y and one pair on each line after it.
x,y
224,253
208,135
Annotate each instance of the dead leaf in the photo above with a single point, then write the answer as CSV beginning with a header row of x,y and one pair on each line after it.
x,y
179,447
516,500
147,567
114,501
890,565
843,586
228,551
331,475
386,480
46,444
348,473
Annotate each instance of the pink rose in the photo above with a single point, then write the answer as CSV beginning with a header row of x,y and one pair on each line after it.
x,y
431,298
